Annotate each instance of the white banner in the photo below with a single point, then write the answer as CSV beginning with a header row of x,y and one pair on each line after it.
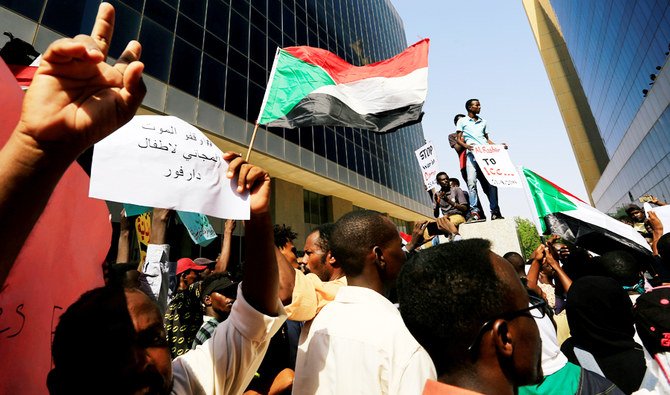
x,y
427,158
163,161
496,165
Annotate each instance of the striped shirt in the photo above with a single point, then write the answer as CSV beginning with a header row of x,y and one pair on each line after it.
x,y
205,332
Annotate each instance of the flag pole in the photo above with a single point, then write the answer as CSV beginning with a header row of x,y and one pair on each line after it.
x,y
251,143
265,101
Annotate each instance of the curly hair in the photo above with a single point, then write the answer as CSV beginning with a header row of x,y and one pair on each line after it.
x,y
283,234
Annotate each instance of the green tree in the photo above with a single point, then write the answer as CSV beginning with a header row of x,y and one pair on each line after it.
x,y
528,236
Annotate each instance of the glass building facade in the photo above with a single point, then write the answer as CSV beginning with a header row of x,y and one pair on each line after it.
x,y
619,49
218,54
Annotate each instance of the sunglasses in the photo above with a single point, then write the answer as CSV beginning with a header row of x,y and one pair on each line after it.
x,y
535,310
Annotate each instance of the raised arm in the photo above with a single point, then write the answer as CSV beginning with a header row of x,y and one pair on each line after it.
x,y
657,202
123,246
534,270
417,236
224,257
260,280
159,221
75,100
286,278
552,259
156,266
657,231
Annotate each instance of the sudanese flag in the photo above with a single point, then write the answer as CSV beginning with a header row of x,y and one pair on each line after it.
x,y
311,86
562,213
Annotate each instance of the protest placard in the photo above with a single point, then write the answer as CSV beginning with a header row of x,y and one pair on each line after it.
x,y
133,210
663,214
163,161
143,232
198,227
427,158
495,164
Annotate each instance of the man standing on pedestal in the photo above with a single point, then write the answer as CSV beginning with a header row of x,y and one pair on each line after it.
x,y
472,130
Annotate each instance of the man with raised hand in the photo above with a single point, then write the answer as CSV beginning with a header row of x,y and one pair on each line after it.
x,y
75,100
113,341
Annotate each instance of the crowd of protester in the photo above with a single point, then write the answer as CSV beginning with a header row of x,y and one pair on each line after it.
x,y
359,313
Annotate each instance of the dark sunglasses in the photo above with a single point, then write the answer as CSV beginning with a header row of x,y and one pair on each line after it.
x,y
535,310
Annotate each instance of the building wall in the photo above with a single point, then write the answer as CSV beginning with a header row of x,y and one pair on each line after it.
x,y
614,47
572,103
338,207
286,205
207,62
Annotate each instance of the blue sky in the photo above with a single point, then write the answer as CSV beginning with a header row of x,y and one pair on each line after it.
x,y
485,49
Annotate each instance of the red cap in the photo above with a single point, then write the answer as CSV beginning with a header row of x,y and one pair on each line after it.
x,y
185,264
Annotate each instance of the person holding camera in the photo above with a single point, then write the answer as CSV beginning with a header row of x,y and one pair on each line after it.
x,y
449,201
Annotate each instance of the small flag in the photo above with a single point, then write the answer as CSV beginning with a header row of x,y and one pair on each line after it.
x,y
311,86
563,213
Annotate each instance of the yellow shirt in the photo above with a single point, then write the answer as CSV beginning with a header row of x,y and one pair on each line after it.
x,y
310,294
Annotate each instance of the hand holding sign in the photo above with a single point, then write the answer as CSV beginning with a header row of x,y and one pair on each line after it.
x,y
496,165
250,178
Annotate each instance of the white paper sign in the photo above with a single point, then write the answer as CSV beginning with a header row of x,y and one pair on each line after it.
x,y
663,214
163,161
427,158
496,165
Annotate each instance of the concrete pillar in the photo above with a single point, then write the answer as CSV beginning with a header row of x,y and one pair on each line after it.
x,y
287,207
337,207
501,232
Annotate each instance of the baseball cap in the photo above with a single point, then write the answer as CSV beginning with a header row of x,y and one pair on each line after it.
x,y
652,319
223,285
185,264
203,261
